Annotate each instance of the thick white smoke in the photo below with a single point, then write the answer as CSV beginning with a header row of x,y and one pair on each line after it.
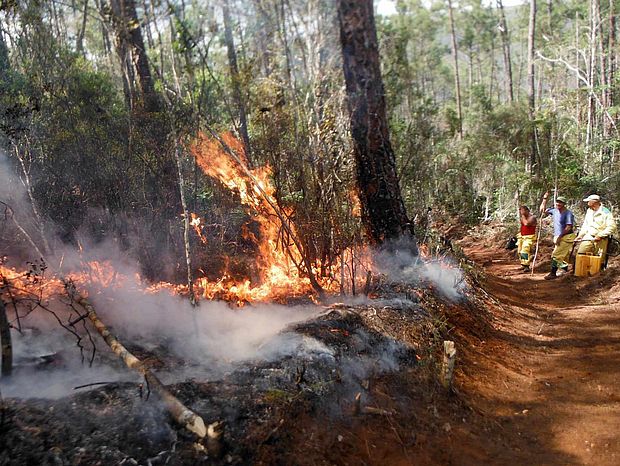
x,y
399,263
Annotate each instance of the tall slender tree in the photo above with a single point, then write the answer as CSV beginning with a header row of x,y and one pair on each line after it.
x,y
457,80
531,84
236,85
506,50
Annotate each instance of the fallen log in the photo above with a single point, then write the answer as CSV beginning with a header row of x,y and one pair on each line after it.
x,y
181,414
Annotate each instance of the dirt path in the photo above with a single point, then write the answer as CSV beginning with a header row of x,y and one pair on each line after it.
x,y
547,379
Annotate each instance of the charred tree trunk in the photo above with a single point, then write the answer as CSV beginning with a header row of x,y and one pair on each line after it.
x,y
383,210
131,50
5,340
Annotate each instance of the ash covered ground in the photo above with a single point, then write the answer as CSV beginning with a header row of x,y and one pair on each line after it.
x,y
268,377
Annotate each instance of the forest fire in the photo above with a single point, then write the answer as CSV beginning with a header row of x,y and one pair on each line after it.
x,y
196,224
282,272
279,258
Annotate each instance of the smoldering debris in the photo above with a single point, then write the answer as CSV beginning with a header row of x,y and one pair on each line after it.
x,y
49,365
400,262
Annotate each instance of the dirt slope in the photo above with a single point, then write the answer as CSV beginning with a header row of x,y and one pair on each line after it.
x,y
546,381
537,383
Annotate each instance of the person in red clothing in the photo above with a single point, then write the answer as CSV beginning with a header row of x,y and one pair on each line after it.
x,y
526,237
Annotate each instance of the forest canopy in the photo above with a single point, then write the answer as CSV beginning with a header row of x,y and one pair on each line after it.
x,y
101,100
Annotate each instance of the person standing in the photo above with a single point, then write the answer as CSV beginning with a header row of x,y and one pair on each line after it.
x,y
526,237
563,237
598,226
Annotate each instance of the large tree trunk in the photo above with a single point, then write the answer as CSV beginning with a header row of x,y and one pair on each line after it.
x,y
457,80
131,50
383,210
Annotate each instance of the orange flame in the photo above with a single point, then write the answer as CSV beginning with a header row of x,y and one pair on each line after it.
x,y
279,257
197,226
277,253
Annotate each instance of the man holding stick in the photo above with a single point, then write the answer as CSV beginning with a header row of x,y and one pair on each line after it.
x,y
526,237
563,237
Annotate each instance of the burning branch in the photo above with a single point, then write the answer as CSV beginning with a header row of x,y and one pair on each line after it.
x,y
276,209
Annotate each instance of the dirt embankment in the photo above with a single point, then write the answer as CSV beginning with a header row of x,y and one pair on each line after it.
x,y
537,379
546,380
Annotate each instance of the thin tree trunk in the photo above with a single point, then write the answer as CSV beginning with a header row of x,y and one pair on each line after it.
x,y
611,68
591,72
159,38
264,36
457,82
602,122
577,81
147,22
186,225
5,340
236,85
492,72
80,38
33,205
532,83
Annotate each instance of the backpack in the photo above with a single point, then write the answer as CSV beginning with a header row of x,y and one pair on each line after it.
x,y
613,247
512,243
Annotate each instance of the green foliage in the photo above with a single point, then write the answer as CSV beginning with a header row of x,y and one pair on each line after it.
x,y
64,108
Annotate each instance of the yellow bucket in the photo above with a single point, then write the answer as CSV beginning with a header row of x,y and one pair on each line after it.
x,y
587,266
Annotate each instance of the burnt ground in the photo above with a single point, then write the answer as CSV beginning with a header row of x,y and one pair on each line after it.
x,y
536,382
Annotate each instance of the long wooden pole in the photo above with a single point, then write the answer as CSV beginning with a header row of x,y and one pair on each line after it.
x,y
541,211
183,415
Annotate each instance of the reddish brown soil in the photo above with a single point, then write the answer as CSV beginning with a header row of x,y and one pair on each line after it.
x,y
548,377
537,382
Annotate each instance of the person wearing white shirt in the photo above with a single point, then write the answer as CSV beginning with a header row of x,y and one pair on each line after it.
x,y
598,226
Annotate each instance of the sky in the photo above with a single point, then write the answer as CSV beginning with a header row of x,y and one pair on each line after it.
x,y
387,7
